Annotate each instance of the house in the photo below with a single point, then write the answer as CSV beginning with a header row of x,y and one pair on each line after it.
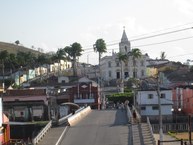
x,y
4,126
27,105
85,92
147,103
183,99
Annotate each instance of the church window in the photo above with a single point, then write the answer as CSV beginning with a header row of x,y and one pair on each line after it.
x,y
126,74
142,63
118,75
135,73
117,64
109,64
125,48
142,73
110,74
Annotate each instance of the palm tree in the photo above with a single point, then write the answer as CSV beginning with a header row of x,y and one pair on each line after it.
x,y
122,58
100,47
73,52
135,53
60,55
163,55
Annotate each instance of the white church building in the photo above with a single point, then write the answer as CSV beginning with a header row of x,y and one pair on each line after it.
x,y
111,65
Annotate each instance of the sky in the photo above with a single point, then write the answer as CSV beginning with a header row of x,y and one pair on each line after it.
x,y
53,24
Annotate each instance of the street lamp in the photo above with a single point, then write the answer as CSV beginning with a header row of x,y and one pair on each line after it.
x,y
175,111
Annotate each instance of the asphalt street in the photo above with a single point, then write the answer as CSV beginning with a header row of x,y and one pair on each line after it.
x,y
100,127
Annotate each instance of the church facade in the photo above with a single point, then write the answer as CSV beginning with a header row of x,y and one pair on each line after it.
x,y
113,69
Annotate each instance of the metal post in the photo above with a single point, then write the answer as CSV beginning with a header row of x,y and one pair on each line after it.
x,y
160,114
3,71
190,126
181,141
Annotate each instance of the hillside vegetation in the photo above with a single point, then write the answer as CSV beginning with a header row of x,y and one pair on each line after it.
x,y
13,48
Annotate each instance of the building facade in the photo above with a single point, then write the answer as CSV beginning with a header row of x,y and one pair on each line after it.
x,y
147,102
111,65
86,92
183,99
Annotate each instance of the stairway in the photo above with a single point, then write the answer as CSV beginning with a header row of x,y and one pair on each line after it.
x,y
142,135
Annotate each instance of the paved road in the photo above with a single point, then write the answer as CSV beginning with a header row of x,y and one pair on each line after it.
x,y
100,127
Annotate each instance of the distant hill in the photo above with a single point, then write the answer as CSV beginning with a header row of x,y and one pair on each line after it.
x,y
13,48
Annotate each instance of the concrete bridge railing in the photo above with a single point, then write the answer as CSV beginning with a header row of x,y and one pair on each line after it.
x,y
72,120
42,133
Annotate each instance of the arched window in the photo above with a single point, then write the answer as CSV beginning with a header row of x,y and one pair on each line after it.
x,y
125,48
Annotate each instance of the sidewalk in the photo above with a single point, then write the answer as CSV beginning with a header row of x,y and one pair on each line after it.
x,y
166,137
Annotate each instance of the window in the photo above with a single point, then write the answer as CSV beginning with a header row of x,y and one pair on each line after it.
x,y
142,73
143,108
125,48
135,73
142,63
163,95
155,107
150,96
117,64
110,74
109,64
118,75
126,74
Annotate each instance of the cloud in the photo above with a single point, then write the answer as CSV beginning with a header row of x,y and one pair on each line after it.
x,y
185,7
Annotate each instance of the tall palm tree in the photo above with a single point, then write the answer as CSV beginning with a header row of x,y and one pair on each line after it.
x,y
122,58
135,54
100,47
60,55
73,52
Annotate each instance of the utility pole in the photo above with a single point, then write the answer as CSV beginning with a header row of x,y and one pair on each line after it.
x,y
159,105
3,72
189,129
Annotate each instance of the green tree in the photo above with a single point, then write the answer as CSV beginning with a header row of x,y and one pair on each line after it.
x,y
100,47
58,56
122,58
17,42
3,57
163,56
73,52
135,54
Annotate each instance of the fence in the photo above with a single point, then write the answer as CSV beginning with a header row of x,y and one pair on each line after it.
x,y
168,141
42,133
171,127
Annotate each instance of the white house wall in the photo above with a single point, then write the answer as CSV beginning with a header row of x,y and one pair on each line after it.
x,y
143,100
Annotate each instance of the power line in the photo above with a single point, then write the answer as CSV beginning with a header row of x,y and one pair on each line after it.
x,y
175,31
164,42
117,41
147,37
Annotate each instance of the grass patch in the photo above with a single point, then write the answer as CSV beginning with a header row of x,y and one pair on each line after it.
x,y
180,135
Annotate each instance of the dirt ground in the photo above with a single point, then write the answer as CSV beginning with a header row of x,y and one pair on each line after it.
x,y
183,135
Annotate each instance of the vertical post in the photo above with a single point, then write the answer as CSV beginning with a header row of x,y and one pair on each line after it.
x,y
181,141
78,90
160,114
3,71
190,127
